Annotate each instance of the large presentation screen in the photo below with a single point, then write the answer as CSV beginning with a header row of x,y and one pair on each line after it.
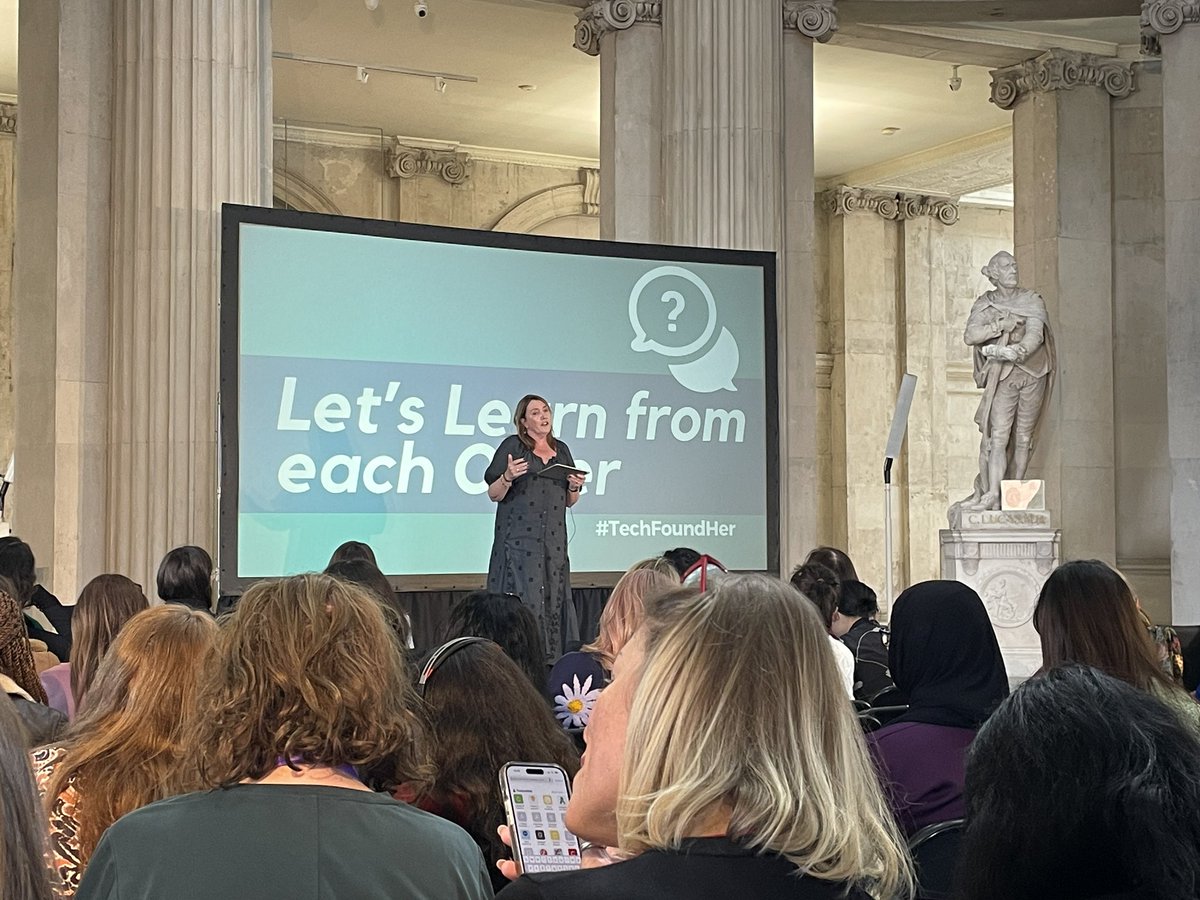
x,y
369,371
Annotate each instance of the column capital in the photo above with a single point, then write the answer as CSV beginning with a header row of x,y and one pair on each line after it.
x,y
452,166
816,19
895,207
1168,16
8,118
602,16
1061,70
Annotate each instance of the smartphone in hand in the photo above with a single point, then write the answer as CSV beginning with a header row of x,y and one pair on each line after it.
x,y
535,802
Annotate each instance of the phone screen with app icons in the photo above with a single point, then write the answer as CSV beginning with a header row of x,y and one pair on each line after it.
x,y
535,802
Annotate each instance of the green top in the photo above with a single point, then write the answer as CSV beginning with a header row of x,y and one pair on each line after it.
x,y
1182,703
284,842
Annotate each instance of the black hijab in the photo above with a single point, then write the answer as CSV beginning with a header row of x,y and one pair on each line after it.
x,y
944,656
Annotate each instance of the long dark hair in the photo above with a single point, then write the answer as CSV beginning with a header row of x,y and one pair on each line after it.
x,y
105,604
363,571
819,584
185,576
17,565
353,550
833,558
502,618
1080,785
519,417
1087,614
483,712
24,872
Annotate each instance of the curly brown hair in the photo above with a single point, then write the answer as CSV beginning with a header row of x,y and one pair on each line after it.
x,y
306,670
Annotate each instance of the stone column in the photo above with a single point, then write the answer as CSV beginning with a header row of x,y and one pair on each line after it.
x,y
1178,25
1062,160
61,288
887,318
627,36
188,134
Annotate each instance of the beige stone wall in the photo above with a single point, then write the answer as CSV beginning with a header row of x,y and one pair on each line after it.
x,y
7,233
895,299
1143,473
353,181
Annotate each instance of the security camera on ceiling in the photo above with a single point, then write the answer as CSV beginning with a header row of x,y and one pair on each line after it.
x,y
372,4
420,9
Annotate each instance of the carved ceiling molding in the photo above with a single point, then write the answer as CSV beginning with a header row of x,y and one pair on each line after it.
x,y
600,17
1061,70
579,199
844,200
816,19
8,118
452,166
964,166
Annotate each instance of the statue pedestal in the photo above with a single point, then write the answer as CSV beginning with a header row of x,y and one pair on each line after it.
x,y
1005,556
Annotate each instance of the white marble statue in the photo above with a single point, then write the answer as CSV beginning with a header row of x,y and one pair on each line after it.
x,y
1013,352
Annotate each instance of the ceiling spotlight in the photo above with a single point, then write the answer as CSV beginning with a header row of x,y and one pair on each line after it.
x,y
955,81
361,72
420,9
439,84
890,130
372,5
527,88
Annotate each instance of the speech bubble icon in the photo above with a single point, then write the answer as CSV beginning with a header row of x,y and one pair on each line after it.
x,y
713,371
641,342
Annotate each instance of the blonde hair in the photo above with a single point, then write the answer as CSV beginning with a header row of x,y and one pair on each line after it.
x,y
659,564
740,709
124,749
307,670
624,610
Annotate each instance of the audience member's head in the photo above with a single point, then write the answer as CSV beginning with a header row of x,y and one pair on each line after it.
x,y
105,604
1087,614
726,714
624,611
363,571
1080,786
353,550
185,576
682,559
855,601
502,618
16,657
306,670
658,564
123,750
944,656
482,713
17,565
820,585
24,871
833,558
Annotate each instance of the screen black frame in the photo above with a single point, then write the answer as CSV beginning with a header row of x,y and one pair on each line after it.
x,y
234,216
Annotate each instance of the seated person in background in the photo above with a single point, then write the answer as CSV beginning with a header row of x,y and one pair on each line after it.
x,y
1080,787
1087,614
310,689
17,565
820,585
24,871
854,623
945,659
363,571
576,680
18,675
725,760
352,550
470,740
185,577
681,559
124,750
833,558
105,604
502,618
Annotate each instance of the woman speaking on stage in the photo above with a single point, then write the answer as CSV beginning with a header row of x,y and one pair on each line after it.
x,y
529,551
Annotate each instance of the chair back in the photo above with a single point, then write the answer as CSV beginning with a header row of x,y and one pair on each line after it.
x,y
885,714
868,722
934,851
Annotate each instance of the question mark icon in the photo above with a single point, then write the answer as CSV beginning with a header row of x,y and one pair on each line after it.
x,y
677,299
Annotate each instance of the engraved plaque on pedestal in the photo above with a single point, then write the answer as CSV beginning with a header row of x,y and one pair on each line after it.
x,y
1005,556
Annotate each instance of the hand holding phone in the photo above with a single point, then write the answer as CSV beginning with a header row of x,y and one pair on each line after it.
x,y
535,803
